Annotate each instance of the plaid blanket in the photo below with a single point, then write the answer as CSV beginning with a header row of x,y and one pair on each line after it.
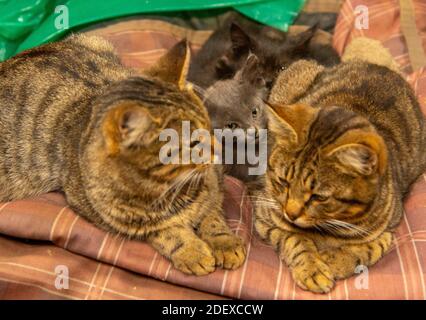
x,y
104,266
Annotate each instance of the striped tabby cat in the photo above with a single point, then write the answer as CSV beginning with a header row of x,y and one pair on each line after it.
x,y
74,119
348,142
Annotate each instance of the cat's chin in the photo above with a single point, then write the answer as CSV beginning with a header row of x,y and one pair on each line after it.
x,y
300,222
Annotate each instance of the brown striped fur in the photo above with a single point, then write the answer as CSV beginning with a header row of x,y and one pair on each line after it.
x,y
74,119
348,143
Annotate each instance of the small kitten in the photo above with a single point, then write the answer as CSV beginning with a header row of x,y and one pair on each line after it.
x,y
238,103
348,142
73,118
226,51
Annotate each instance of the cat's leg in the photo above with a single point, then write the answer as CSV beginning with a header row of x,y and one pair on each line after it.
x,y
300,254
228,249
344,260
185,249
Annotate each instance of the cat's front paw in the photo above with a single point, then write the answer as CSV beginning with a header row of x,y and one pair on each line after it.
x,y
341,263
312,274
344,260
229,251
195,258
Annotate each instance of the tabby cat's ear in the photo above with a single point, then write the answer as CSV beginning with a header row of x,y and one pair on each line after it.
x,y
361,152
278,126
173,66
127,125
291,121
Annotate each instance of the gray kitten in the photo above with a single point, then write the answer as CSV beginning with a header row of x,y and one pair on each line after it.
x,y
238,103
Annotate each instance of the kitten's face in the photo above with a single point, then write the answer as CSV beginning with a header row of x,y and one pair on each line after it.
x,y
238,103
325,167
274,54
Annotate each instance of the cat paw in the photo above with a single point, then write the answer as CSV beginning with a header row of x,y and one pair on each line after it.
x,y
380,247
340,263
312,274
344,261
194,258
229,251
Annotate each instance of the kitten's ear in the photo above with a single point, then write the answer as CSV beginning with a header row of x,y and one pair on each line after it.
x,y
251,71
127,125
240,45
173,66
299,43
361,152
241,42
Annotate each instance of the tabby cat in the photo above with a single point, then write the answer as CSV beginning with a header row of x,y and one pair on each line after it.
x,y
238,103
74,119
348,142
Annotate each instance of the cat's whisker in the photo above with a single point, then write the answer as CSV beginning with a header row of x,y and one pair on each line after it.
x,y
259,197
318,228
346,226
267,205
355,227
263,199
337,229
174,184
195,182
182,184
329,228
198,90
192,182
173,189
272,205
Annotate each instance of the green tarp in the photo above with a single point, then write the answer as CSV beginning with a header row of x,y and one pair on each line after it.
x,y
28,23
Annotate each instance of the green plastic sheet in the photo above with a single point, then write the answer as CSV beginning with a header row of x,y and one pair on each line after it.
x,y
28,23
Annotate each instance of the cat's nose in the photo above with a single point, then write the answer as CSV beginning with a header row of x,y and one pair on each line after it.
x,y
233,125
293,209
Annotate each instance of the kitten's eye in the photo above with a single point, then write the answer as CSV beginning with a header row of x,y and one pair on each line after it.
x,y
319,198
194,143
255,112
282,68
232,125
